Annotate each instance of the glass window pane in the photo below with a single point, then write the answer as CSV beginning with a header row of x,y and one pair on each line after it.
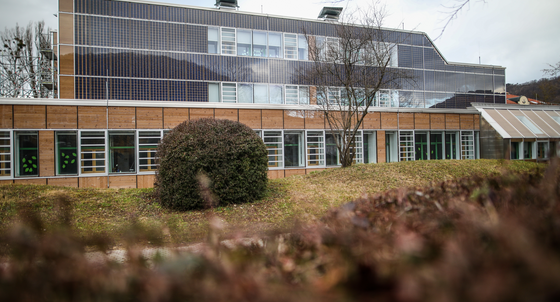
x,y
276,95
406,145
122,152
245,93
261,93
213,39
275,45
303,50
293,150
304,95
259,44
27,161
244,42
214,92
67,153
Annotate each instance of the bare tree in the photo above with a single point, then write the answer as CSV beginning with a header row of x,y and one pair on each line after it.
x,y
553,71
351,72
21,63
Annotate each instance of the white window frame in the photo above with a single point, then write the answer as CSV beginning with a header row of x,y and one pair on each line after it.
x,y
250,42
10,153
279,148
138,150
218,45
226,88
105,152
56,160
406,152
321,161
372,146
301,147
291,49
228,48
467,145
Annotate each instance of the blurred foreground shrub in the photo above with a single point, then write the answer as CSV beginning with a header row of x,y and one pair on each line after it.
x,y
228,156
476,239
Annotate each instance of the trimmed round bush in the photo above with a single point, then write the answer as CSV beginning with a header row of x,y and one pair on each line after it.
x,y
229,153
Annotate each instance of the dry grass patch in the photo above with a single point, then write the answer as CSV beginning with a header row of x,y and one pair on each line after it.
x,y
297,198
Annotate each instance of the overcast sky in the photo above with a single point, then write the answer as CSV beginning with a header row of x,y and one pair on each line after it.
x,y
521,35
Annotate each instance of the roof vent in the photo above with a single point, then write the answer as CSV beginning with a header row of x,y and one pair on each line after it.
x,y
232,4
330,13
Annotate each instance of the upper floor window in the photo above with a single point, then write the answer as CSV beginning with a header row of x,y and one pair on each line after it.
x,y
275,45
259,44
228,41
213,41
290,46
244,42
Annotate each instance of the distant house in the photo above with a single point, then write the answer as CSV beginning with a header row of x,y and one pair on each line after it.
x,y
522,100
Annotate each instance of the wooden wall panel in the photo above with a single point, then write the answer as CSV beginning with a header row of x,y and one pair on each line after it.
x,y
92,117
149,118
274,174
291,172
422,121
29,117
66,29
273,119
93,182
372,121
251,118
467,121
476,122
314,119
62,117
122,117
46,153
174,116
6,120
63,182
406,120
6,182
122,181
33,181
66,87
381,156
66,6
196,113
294,119
389,120
451,121
437,121
66,60
226,114
145,181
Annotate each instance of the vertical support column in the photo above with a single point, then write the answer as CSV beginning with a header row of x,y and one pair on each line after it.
x,y
381,156
46,153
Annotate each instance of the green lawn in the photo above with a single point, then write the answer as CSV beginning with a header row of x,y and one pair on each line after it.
x,y
304,198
